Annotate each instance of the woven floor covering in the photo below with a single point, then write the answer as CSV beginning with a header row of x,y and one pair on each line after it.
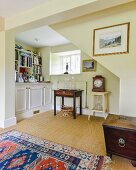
x,y
20,151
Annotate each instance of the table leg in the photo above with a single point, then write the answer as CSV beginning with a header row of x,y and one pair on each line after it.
x,y
54,105
62,101
81,105
74,107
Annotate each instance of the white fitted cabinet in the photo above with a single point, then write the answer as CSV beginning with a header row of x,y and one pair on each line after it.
x,y
32,98
48,93
21,99
36,95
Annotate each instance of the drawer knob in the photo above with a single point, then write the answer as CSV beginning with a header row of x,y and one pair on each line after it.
x,y
121,142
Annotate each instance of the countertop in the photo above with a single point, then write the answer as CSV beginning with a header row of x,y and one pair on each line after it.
x,y
35,83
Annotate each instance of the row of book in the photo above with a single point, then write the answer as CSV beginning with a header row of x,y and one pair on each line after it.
x,y
25,61
37,60
37,70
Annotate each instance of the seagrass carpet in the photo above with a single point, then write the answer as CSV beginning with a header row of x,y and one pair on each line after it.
x,y
19,150
78,133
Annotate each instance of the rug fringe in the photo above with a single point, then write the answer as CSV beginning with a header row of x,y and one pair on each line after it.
x,y
106,163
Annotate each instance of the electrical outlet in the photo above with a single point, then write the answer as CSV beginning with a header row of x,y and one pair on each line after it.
x,y
36,111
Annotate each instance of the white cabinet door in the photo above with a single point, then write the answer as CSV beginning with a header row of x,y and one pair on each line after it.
x,y
32,97
21,99
35,97
47,95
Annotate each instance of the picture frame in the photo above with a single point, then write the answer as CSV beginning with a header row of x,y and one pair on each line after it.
x,y
88,65
111,40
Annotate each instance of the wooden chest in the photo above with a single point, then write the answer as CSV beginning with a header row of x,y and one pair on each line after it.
x,y
120,138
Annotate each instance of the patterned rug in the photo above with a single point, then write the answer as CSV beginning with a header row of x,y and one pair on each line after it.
x,y
20,151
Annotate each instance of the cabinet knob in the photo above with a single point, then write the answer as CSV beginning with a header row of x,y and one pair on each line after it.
x,y
121,142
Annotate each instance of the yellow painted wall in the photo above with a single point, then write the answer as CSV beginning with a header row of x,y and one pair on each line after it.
x,y
2,75
45,53
58,10
9,75
2,24
50,8
62,48
80,32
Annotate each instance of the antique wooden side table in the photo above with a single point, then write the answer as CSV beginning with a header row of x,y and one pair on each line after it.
x,y
68,93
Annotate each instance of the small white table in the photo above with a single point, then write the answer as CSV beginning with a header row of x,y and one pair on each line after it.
x,y
99,103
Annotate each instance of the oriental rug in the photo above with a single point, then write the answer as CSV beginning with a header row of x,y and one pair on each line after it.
x,y
20,151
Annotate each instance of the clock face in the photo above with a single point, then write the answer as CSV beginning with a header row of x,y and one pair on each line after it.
x,y
98,83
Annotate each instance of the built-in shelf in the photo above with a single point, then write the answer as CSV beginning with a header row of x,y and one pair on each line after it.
x,y
37,65
28,64
25,67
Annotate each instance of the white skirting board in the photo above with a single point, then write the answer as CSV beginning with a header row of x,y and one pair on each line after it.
x,y
24,115
30,113
8,122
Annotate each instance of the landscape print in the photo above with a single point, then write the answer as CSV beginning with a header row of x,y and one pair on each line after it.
x,y
110,40
88,65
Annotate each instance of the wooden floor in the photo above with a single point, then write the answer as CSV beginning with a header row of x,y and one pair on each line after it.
x,y
80,133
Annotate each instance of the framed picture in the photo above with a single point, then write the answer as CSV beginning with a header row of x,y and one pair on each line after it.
x,y
111,40
88,65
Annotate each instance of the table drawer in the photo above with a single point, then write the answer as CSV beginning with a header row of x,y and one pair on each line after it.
x,y
64,93
120,141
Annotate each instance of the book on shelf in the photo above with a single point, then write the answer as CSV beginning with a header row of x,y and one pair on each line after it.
x,y
25,61
37,60
16,55
29,64
40,60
